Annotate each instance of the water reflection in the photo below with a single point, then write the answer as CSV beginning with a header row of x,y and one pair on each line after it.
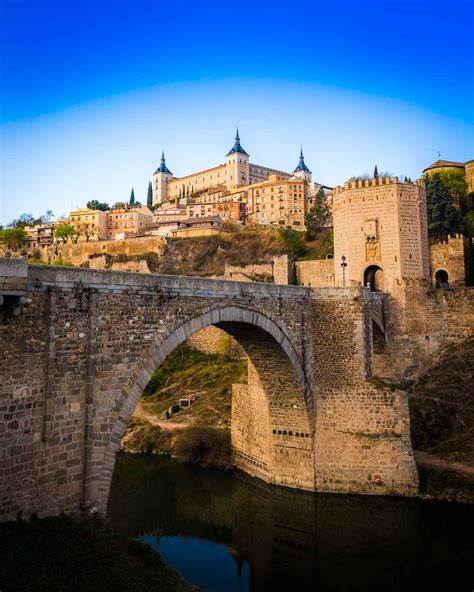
x,y
280,539
210,566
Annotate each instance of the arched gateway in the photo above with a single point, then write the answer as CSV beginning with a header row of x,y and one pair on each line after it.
x,y
78,346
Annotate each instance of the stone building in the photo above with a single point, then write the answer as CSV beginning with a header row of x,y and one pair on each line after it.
x,y
239,180
467,168
380,227
39,236
90,224
228,209
448,263
197,227
127,221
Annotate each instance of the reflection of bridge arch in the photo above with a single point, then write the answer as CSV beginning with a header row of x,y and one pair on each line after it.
x,y
272,416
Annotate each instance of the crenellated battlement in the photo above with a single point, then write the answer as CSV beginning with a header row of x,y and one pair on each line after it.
x,y
380,181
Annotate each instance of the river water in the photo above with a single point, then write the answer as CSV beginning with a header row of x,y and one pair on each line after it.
x,y
225,531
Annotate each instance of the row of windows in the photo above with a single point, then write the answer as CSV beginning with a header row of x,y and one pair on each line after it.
x,y
129,216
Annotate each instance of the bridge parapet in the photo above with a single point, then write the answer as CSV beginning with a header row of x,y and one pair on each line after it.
x,y
197,286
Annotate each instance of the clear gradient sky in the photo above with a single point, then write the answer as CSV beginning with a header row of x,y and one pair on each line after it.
x,y
92,91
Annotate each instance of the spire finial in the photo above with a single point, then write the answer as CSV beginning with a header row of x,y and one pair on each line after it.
x,y
301,165
163,168
237,147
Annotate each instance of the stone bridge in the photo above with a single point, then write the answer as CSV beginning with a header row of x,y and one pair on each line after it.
x,y
78,346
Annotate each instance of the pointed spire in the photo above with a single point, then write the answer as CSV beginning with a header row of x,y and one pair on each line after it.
x,y
301,165
237,147
163,168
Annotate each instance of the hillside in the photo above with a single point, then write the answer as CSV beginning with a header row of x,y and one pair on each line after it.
x,y
441,399
201,432
209,255
442,404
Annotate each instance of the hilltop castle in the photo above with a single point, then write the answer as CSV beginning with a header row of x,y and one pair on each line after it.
x,y
271,196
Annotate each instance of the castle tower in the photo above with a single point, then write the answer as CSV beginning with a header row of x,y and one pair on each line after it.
x,y
161,177
237,165
302,171
380,227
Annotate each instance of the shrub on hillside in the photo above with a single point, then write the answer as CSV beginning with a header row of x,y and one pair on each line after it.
x,y
293,241
147,438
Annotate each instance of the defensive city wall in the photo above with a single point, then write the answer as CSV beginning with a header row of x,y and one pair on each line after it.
x,y
79,345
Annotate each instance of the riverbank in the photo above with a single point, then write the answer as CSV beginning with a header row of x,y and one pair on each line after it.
x,y
444,480
74,553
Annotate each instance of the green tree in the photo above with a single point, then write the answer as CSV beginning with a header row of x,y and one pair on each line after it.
x,y
12,238
119,204
94,204
455,181
64,232
132,198
293,241
149,196
376,173
318,216
443,217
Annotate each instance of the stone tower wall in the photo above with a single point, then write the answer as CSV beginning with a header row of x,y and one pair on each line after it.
x,y
380,222
449,256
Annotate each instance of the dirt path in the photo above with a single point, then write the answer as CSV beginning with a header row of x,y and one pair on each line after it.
x,y
425,458
155,421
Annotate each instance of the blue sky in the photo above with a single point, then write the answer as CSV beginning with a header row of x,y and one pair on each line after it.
x,y
92,91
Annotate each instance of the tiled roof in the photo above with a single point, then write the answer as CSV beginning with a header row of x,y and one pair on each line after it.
x,y
444,163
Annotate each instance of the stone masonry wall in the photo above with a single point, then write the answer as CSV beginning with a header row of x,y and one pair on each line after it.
x,y
318,273
449,256
80,253
278,429
76,359
84,344
212,340
421,321
362,441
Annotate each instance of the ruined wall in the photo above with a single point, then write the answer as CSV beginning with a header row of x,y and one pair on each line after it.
x,y
449,256
80,253
283,269
258,272
212,340
422,321
318,273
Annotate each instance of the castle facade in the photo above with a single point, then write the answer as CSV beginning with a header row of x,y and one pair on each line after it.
x,y
271,196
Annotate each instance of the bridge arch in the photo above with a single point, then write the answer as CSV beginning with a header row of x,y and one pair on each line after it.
x,y
282,387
